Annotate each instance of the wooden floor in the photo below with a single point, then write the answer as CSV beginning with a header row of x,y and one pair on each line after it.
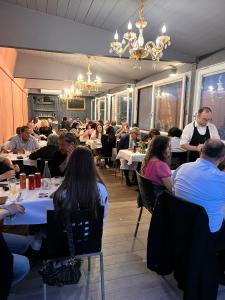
x,y
126,274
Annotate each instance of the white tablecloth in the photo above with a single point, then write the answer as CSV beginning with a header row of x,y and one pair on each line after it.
x,y
35,207
94,144
130,156
23,157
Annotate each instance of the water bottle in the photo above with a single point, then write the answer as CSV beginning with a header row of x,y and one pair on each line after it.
x,y
46,178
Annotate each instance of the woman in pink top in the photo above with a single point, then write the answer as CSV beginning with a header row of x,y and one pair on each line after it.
x,y
155,166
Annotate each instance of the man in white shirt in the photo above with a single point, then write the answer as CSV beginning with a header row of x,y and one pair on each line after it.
x,y
196,133
23,142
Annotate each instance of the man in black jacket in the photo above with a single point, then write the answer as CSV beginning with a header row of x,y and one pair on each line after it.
x,y
129,141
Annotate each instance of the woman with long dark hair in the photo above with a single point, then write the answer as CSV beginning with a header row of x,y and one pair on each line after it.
x,y
82,187
155,166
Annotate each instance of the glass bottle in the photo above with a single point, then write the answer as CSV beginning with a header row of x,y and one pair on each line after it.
x,y
46,178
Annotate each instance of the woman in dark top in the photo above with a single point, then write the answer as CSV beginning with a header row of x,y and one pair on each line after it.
x,y
79,191
48,151
45,129
108,143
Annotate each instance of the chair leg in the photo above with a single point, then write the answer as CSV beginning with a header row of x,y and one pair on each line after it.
x,y
89,263
138,222
45,291
102,276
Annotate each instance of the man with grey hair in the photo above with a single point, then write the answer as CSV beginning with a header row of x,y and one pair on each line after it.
x,y
129,141
47,152
202,183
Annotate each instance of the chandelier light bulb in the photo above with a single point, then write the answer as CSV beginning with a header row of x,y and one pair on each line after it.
x,y
129,25
157,41
163,29
80,77
116,36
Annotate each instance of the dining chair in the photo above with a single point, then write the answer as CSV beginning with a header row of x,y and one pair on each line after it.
x,y
177,159
146,197
87,239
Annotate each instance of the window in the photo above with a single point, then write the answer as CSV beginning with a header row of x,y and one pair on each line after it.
x,y
121,113
100,108
92,109
113,108
144,108
168,100
213,96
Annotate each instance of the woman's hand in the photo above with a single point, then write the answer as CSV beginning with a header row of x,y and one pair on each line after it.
x,y
15,208
7,175
16,168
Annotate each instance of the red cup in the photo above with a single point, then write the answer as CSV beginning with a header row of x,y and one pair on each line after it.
x,y
37,180
31,182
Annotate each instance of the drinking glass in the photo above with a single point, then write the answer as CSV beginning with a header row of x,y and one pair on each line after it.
x,y
12,185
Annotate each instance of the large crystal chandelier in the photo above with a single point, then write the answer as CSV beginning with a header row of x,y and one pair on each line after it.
x,y
88,85
70,93
135,44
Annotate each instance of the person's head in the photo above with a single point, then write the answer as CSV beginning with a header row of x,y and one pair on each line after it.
x,y
175,132
75,125
64,118
44,123
159,147
100,122
18,129
35,120
153,132
214,151
62,131
31,126
125,125
81,189
134,133
99,130
204,116
53,139
107,123
93,126
134,125
70,120
65,141
25,133
113,123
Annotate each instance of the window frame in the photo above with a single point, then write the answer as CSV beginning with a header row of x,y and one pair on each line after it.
x,y
180,77
116,95
97,107
200,73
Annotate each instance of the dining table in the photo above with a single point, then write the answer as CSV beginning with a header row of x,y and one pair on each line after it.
x,y
23,157
130,156
36,203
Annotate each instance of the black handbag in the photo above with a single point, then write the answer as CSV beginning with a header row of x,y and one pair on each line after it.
x,y
62,271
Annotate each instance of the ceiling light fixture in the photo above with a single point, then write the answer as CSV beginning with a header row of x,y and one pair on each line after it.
x,y
135,44
71,93
88,85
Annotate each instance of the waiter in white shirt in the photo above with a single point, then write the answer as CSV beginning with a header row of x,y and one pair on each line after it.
x,y
196,133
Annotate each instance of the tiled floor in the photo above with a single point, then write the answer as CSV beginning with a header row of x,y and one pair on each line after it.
x,y
126,275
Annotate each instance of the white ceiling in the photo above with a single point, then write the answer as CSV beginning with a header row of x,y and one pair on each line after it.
x,y
196,27
58,70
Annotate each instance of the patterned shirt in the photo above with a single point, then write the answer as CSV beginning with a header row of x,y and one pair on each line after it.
x,y
18,143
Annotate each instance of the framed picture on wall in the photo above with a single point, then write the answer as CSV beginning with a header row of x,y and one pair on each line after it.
x,y
76,104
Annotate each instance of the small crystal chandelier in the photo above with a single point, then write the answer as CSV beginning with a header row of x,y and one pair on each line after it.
x,y
88,85
71,93
136,44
